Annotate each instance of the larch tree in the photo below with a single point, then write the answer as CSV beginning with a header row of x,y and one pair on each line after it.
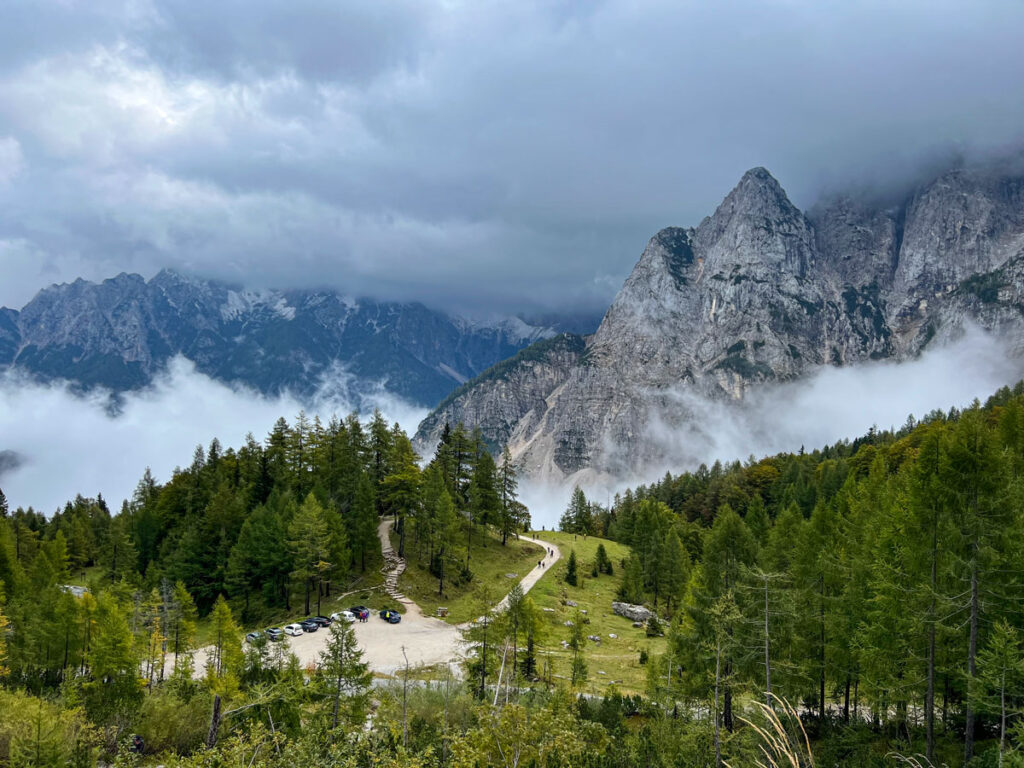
x,y
970,470
512,511
309,541
402,486
363,520
225,653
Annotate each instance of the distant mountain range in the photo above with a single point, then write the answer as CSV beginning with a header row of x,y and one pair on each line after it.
x,y
758,292
119,333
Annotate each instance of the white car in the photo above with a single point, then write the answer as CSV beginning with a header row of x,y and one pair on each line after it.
x,y
294,630
343,615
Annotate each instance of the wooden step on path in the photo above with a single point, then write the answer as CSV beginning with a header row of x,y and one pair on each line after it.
x,y
394,566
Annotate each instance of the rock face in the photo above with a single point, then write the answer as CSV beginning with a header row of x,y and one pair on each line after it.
x,y
119,333
760,292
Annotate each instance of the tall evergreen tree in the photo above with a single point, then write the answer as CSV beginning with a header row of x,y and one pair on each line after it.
x,y
402,486
344,674
309,541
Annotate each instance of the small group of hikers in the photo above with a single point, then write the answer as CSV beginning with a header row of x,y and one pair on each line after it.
x,y
540,563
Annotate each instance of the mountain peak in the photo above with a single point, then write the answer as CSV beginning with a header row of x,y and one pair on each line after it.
x,y
758,191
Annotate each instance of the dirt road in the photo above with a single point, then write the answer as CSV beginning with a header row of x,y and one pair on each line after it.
x,y
427,641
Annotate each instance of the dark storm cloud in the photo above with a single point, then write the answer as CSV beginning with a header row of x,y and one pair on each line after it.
x,y
510,156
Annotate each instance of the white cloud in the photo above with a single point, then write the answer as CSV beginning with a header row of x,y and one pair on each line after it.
x,y
11,159
70,444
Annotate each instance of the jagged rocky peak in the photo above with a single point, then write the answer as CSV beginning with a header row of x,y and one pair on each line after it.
x,y
760,292
119,333
756,226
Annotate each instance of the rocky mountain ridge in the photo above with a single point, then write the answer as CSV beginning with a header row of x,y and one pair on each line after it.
x,y
759,292
119,333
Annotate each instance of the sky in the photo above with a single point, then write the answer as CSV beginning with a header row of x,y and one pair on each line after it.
x,y
501,156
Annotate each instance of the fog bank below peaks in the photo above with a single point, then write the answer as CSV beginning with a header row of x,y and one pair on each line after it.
x,y
830,405
67,444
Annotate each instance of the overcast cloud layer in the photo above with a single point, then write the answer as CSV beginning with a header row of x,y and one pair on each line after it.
x,y
507,155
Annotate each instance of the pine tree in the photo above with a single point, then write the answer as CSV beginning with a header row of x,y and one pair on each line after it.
x,y
113,662
380,448
338,554
363,520
3,504
4,628
483,495
570,570
1000,676
676,565
576,518
972,477
446,527
757,520
344,673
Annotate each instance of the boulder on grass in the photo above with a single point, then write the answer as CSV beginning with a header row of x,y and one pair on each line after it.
x,y
632,612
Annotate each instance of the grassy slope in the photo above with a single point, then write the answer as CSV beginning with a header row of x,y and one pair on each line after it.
x,y
618,658
490,563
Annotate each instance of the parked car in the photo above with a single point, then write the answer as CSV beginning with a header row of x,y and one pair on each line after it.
x,y
274,633
322,621
343,616
253,638
309,625
293,630
360,612
390,616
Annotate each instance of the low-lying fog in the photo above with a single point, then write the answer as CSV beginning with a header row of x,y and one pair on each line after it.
x,y
55,444
828,406
60,444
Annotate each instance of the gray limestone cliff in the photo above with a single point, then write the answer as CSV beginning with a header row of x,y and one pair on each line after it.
x,y
760,292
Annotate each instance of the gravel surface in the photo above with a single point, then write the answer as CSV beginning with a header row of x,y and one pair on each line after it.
x,y
427,640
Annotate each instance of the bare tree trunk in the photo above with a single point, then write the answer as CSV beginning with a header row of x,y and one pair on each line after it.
x,y
821,614
971,662
718,737
1002,718
929,699
211,737
767,654
846,701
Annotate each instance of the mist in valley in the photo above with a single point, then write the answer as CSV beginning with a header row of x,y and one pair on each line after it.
x,y
825,407
55,443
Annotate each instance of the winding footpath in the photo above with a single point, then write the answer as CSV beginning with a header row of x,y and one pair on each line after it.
x,y
426,641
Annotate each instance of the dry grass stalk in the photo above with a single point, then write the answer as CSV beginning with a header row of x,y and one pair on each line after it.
x,y
779,748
